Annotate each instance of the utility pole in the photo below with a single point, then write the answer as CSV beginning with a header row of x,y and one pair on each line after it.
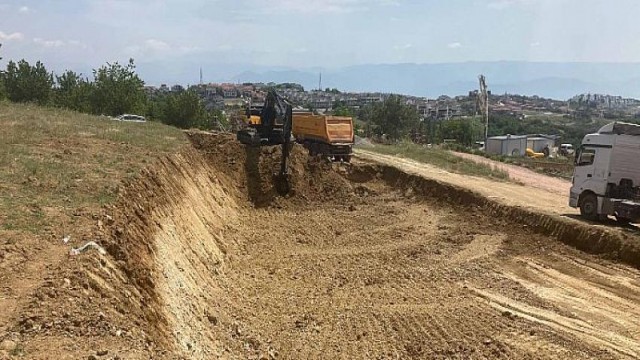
x,y
320,83
201,76
483,99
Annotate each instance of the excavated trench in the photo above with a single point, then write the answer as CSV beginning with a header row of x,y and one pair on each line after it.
x,y
362,261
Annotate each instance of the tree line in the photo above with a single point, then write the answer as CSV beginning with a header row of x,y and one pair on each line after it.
x,y
114,89
393,119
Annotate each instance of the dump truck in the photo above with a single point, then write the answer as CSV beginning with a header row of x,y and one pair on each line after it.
x,y
606,178
328,136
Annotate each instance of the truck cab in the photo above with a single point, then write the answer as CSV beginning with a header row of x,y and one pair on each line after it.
x,y
606,178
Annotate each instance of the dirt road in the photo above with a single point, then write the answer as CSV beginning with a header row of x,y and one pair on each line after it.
x,y
524,176
508,193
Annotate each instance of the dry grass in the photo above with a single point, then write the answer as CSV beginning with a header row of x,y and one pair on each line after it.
x,y
54,162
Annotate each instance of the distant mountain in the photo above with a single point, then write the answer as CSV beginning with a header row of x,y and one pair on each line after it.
x,y
551,80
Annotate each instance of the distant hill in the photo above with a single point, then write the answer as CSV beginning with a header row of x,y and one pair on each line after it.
x,y
551,80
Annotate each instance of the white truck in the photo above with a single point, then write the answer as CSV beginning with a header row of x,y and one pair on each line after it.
x,y
606,178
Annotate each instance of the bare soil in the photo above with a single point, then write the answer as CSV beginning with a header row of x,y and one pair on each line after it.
x,y
524,176
206,260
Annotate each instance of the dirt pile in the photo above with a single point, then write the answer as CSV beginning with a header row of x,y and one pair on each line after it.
x,y
253,170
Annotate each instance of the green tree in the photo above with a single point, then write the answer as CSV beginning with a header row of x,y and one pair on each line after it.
x,y
73,92
117,90
155,107
185,110
292,86
26,83
340,108
343,111
393,117
465,131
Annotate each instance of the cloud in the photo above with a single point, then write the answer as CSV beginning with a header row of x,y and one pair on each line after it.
x,y
331,6
403,47
16,36
534,44
57,43
156,45
49,43
454,45
24,9
503,4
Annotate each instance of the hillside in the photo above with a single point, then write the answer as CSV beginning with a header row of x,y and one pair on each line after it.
x,y
551,80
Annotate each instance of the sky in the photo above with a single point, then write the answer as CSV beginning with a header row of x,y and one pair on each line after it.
x,y
83,34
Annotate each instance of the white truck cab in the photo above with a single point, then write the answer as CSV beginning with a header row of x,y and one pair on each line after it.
x,y
606,178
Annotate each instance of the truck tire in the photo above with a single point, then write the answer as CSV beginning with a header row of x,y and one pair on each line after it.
x,y
589,207
347,158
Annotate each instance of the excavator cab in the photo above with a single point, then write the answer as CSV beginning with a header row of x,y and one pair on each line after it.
x,y
253,114
272,128
273,125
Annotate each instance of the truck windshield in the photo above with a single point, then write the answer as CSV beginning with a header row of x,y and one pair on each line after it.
x,y
585,157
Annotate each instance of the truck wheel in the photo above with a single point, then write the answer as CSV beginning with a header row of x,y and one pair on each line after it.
x,y
347,158
589,207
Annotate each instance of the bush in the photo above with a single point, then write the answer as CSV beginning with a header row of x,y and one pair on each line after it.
x,y
117,90
392,118
73,92
185,110
26,83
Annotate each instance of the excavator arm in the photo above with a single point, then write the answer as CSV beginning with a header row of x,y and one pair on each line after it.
x,y
274,128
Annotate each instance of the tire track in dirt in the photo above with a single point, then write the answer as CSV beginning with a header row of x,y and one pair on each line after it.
x,y
579,328
612,242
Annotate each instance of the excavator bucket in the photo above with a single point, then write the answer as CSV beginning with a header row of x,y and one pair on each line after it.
x,y
282,183
249,137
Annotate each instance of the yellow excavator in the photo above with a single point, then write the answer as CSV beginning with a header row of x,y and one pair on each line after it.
x,y
271,125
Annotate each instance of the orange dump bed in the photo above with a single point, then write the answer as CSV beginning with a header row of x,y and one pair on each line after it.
x,y
327,129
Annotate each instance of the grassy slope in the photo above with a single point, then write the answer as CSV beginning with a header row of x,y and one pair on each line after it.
x,y
440,158
53,162
57,170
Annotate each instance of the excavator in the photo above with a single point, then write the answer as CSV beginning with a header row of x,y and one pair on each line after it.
x,y
273,127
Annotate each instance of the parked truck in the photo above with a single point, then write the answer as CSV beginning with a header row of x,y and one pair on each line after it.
x,y
329,136
606,179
